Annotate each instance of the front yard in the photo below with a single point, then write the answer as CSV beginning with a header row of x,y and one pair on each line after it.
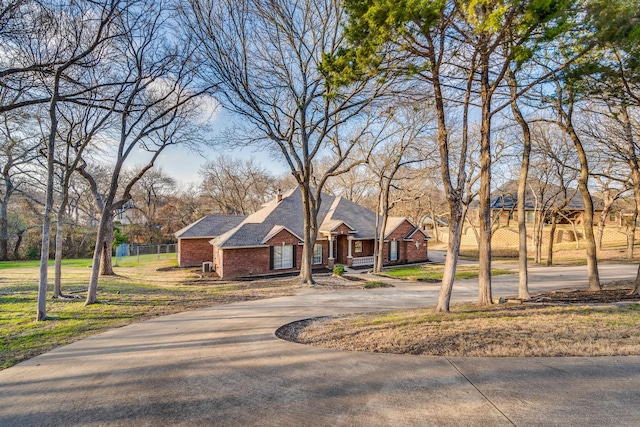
x,y
433,272
139,291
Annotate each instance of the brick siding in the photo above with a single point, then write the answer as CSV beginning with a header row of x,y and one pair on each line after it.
x,y
255,261
193,252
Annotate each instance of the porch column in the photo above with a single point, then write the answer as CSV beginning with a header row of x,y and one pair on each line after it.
x,y
349,239
330,247
330,257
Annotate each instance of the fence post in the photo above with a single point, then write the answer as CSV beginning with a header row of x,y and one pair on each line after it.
x,y
138,252
158,252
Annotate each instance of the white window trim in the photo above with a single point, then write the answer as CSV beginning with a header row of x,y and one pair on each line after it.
x,y
394,245
281,256
357,243
315,253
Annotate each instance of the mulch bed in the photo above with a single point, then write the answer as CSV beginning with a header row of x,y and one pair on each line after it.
x,y
611,293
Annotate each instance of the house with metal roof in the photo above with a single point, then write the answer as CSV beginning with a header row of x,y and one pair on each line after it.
x,y
270,240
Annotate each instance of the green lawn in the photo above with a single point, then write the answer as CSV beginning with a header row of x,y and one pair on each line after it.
x,y
139,291
130,261
433,272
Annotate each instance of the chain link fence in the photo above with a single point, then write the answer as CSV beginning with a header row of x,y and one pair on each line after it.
x,y
162,251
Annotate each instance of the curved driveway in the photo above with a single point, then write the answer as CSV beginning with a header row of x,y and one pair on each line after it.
x,y
224,366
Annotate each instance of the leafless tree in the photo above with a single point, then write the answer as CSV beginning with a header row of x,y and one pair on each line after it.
x,y
157,108
268,57
405,133
564,103
354,185
236,187
77,43
77,128
18,150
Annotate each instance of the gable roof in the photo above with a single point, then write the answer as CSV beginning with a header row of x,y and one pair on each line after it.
x,y
209,226
287,213
506,196
413,231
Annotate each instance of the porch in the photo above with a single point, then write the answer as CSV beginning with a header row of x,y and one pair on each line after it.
x,y
361,261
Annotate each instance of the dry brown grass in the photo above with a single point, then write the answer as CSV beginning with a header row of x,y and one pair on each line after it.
x,y
501,330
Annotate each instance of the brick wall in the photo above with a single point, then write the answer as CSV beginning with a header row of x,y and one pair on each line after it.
x,y
244,262
193,252
256,261
417,254
407,251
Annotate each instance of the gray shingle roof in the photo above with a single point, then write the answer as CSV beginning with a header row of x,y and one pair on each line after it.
x,y
288,213
506,196
210,226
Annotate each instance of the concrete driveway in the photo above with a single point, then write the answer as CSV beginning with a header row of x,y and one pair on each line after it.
x,y
223,366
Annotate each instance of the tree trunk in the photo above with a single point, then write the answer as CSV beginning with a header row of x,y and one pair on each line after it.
x,y
383,226
484,259
310,234
636,287
376,242
16,247
635,174
4,232
539,240
583,186
48,207
631,228
608,204
106,263
600,229
590,240
523,268
576,237
92,291
631,236
57,280
552,236
435,226
451,261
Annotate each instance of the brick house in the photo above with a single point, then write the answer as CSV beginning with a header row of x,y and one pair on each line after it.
x,y
193,240
542,198
270,240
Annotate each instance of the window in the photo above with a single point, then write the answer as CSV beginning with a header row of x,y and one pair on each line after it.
x,y
317,253
282,257
612,216
393,250
530,216
357,246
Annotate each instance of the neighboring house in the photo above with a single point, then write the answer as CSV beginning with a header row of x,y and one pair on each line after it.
x,y
504,202
429,224
193,240
270,240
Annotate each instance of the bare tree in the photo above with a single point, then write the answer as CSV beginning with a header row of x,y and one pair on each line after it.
x,y
150,194
564,104
404,131
18,150
156,109
77,40
236,187
268,57
77,127
354,185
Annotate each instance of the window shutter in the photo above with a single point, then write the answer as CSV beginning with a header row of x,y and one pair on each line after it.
x,y
295,262
270,257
